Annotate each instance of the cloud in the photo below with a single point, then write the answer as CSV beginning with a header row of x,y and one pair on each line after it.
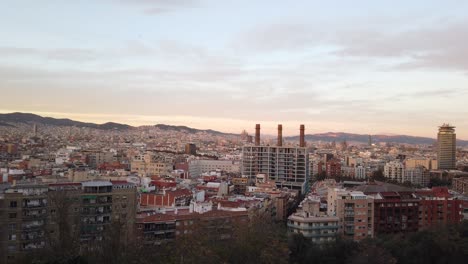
x,y
65,54
431,46
279,36
436,46
156,7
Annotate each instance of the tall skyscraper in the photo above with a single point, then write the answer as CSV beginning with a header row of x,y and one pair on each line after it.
x,y
446,147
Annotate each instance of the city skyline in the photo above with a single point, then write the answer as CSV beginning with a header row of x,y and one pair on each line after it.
x,y
227,66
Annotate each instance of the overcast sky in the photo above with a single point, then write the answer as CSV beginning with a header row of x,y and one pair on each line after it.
x,y
395,67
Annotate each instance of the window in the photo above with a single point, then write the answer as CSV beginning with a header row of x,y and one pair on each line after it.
x,y
12,237
12,226
12,215
52,212
11,249
13,204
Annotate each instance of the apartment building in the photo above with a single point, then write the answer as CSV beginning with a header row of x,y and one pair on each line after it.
x,y
156,229
23,221
438,207
32,216
150,164
198,167
460,185
394,170
396,212
355,211
397,171
313,224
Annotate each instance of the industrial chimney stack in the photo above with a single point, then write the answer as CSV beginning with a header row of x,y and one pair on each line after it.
x,y
280,136
302,137
257,135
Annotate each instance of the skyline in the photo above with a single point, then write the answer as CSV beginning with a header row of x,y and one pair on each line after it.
x,y
272,133
228,66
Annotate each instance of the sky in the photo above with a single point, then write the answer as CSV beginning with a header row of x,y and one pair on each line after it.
x,y
373,67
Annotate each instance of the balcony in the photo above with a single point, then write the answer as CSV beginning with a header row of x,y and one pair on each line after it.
x,y
293,226
34,214
36,203
33,225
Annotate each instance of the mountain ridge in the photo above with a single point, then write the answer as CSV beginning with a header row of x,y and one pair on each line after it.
x,y
29,118
363,138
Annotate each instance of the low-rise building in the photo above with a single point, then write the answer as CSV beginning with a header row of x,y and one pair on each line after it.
x,y
313,224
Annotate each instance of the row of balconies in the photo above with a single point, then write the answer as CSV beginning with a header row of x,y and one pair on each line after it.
x,y
307,227
32,235
33,224
33,245
35,203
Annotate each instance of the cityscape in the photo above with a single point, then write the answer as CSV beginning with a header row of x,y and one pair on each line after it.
x,y
158,185
225,132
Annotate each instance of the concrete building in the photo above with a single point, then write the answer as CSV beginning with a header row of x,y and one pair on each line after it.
x,y
394,170
460,185
437,207
287,166
198,167
333,168
446,147
96,158
313,224
355,211
23,221
417,176
32,216
360,172
396,212
150,164
190,149
427,163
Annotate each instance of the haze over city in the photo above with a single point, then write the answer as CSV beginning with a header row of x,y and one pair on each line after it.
x,y
336,66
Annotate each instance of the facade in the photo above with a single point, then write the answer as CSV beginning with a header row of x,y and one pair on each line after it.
x,y
394,170
396,213
150,165
158,229
446,147
198,167
437,207
309,222
166,198
240,185
287,166
190,149
333,168
427,163
32,217
417,176
360,172
460,185
23,221
355,211
397,171
96,158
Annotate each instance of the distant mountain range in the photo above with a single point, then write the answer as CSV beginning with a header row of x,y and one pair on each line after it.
x,y
399,139
26,118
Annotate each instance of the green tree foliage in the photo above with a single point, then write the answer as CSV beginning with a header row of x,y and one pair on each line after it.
x,y
264,241
435,246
